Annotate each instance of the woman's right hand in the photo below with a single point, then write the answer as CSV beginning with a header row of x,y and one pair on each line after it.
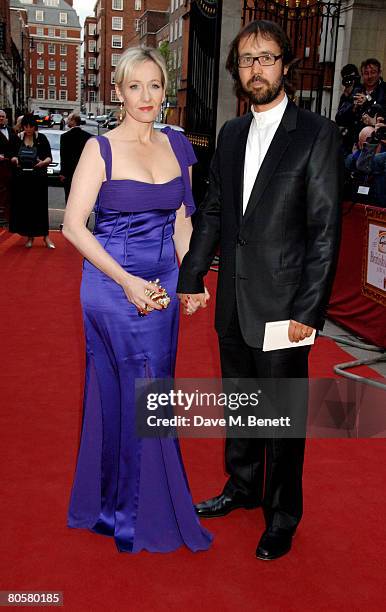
x,y
134,288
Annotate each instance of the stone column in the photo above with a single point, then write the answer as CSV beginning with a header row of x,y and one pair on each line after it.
x,y
230,26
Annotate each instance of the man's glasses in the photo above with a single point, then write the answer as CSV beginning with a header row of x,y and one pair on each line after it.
x,y
268,59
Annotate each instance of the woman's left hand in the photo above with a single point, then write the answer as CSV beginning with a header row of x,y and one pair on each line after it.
x,y
40,164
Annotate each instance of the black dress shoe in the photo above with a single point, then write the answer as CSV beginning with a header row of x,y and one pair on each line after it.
x,y
274,543
224,504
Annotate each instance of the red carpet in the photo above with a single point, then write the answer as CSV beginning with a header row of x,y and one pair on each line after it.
x,y
338,559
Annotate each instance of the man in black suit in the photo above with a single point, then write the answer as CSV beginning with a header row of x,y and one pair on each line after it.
x,y
273,207
9,144
71,147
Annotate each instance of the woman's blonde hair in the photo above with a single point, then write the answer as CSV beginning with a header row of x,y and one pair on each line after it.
x,y
137,55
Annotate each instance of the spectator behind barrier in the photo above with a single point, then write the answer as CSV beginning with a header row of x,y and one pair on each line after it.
x,y
357,100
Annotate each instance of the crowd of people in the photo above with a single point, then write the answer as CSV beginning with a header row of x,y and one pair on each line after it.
x,y
25,155
361,116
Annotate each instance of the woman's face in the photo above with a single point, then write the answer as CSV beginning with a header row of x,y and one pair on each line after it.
x,y
29,130
142,93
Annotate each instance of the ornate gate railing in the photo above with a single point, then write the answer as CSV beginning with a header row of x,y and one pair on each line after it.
x,y
202,85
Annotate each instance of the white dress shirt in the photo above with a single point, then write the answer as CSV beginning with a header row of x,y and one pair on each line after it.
x,y
261,133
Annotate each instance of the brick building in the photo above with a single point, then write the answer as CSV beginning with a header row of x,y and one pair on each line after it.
x,y
55,34
118,24
90,65
178,60
149,24
6,59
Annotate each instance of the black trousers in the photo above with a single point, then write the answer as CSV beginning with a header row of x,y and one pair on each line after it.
x,y
268,471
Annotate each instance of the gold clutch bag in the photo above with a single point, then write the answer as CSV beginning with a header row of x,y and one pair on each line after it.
x,y
161,296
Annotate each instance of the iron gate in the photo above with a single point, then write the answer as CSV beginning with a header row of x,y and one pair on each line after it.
x,y
202,86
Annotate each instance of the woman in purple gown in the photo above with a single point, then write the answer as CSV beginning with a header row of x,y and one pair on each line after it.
x,y
134,489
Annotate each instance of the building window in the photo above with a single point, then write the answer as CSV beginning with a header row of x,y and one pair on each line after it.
x,y
114,97
92,63
63,18
50,2
52,65
91,29
39,15
40,79
116,41
175,59
92,96
51,80
175,29
138,5
40,48
92,80
40,64
63,49
117,5
63,80
91,46
52,94
40,94
115,58
180,27
117,23
113,78
63,33
51,32
51,49
172,6
63,65
39,31
136,24
179,61
171,33
63,94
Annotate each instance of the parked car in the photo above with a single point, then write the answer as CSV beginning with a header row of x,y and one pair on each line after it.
x,y
54,137
43,118
58,119
83,119
101,118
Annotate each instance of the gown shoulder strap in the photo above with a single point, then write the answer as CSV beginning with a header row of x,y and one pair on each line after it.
x,y
105,149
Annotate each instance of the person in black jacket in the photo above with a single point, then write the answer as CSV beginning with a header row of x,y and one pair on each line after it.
x,y
355,106
273,207
71,147
9,144
29,209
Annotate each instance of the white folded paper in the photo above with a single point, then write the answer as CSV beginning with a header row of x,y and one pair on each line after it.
x,y
276,337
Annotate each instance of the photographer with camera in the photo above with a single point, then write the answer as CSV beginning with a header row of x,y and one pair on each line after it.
x,y
358,98
379,162
29,210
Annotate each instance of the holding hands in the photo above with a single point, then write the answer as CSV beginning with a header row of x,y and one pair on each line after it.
x,y
191,302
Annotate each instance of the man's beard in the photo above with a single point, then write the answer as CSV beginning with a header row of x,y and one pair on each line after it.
x,y
266,94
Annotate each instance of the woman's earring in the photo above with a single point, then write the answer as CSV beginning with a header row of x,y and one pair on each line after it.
x,y
121,112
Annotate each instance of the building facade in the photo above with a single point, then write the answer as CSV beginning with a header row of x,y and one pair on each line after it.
x,y
54,57
6,60
90,65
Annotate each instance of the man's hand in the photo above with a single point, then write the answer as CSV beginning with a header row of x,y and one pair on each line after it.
x,y
191,302
297,331
359,99
61,178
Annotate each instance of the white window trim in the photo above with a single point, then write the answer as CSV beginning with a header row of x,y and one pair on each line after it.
x,y
51,80
114,8
38,14
138,5
112,78
54,92
113,96
63,18
37,93
63,52
116,36
63,91
118,55
51,65
63,81
119,20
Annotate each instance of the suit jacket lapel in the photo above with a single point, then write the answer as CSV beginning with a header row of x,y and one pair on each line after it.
x,y
274,154
238,164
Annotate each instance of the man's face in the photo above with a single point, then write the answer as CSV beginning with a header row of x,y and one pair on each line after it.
x,y
262,84
3,119
70,121
370,76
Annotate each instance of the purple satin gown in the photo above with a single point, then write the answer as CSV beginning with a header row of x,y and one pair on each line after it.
x,y
132,489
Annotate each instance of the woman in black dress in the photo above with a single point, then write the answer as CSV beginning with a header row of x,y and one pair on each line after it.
x,y
29,210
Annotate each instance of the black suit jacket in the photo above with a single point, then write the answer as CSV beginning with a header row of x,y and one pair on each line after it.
x,y
9,146
277,260
71,147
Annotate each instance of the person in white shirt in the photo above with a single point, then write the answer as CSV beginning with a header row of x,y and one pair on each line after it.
x,y
273,208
